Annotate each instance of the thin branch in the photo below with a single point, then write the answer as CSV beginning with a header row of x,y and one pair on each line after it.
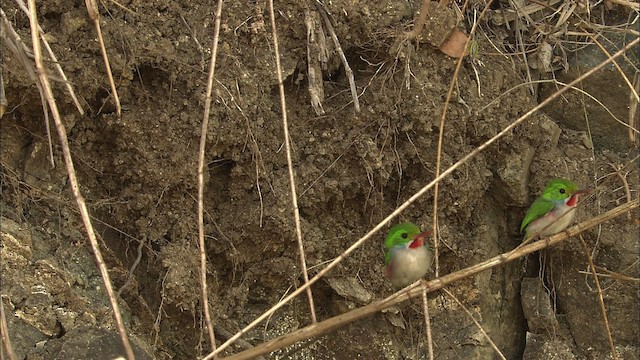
x,y
614,353
422,19
436,238
556,82
292,180
54,59
4,333
343,58
14,43
73,180
427,319
415,197
615,63
416,289
203,142
484,333
92,9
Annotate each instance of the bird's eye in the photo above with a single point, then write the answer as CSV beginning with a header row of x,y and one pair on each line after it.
x,y
405,235
562,191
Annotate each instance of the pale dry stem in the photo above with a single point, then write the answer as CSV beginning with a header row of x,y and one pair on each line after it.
x,y
343,58
4,333
415,196
603,309
427,319
292,181
66,152
632,130
14,43
92,9
436,238
54,59
484,333
634,93
203,143
633,111
416,289
422,19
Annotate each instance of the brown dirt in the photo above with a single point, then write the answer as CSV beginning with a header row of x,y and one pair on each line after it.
x,y
138,174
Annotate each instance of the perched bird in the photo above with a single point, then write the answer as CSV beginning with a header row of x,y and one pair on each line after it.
x,y
554,210
407,256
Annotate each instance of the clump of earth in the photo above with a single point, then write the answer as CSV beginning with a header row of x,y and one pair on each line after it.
x,y
138,173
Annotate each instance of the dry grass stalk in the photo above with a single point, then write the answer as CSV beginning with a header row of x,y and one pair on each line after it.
x,y
5,345
603,309
631,4
500,17
634,93
422,19
427,320
17,47
94,14
201,163
343,58
436,284
633,111
436,239
3,97
54,59
292,180
416,196
316,59
484,333
73,180
556,82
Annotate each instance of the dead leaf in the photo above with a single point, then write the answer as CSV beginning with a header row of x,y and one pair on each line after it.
x,y
455,45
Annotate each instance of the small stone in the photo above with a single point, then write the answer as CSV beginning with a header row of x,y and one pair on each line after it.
x,y
350,288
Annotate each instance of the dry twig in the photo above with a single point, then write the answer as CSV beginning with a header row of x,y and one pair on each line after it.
x,y
614,353
484,333
347,68
427,319
73,180
417,195
14,43
94,14
203,142
5,345
292,180
436,238
416,289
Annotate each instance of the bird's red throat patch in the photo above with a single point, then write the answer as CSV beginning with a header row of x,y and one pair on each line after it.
x,y
419,241
573,200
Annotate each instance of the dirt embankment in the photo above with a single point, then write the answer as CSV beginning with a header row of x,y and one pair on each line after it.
x,y
138,174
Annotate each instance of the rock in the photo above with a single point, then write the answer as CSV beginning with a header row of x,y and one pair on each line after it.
x,y
514,176
570,110
23,335
350,288
538,348
537,308
86,343
550,129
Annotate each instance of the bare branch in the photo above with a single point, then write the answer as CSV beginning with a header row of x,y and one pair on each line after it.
x,y
292,180
203,143
73,180
416,289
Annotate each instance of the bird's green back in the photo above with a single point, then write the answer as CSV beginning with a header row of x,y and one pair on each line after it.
x,y
556,190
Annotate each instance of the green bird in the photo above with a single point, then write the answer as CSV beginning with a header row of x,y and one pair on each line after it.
x,y
554,210
407,257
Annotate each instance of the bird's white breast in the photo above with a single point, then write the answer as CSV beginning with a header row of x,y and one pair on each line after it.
x,y
554,222
409,265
